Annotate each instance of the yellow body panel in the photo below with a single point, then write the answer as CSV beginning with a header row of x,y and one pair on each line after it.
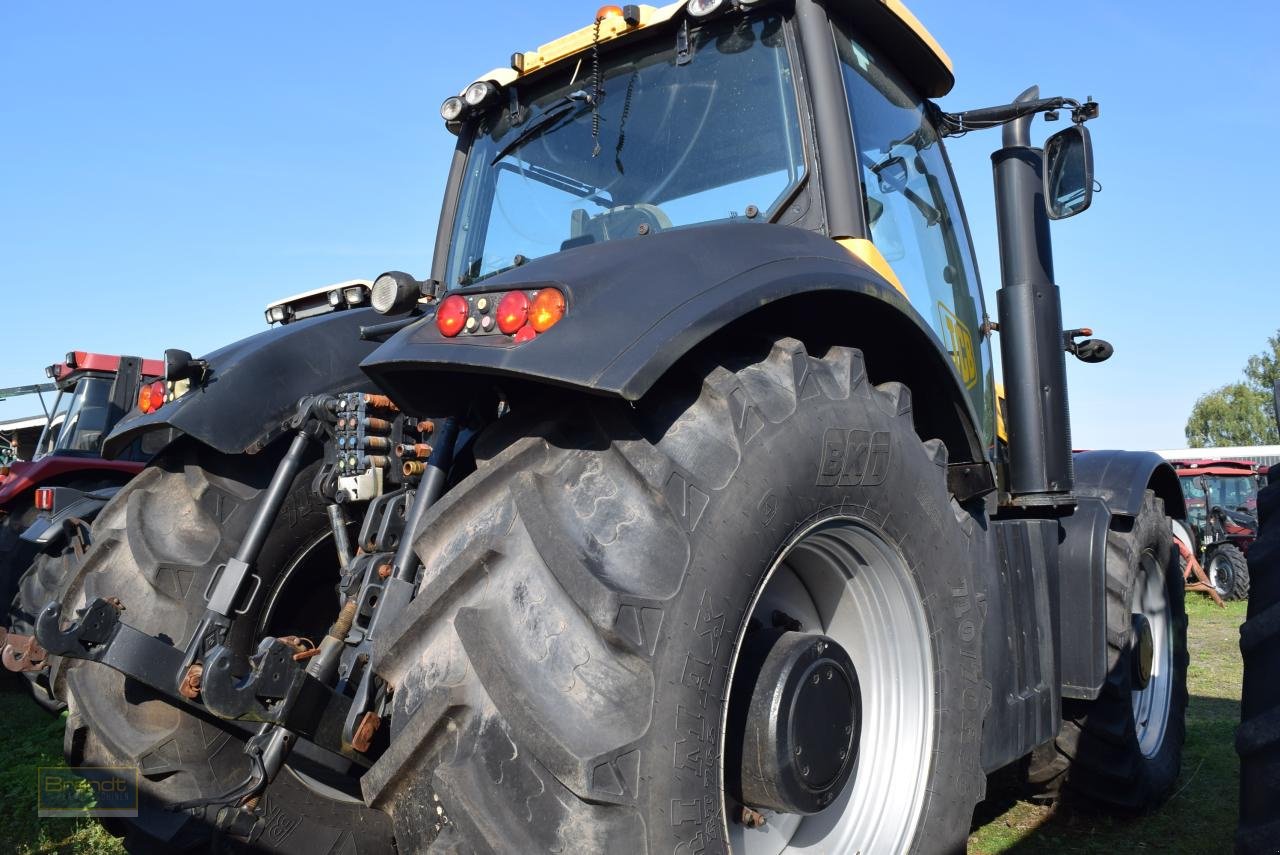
x,y
913,23
1002,431
866,252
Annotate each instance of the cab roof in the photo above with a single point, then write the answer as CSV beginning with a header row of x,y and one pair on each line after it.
x,y
79,362
888,23
1214,467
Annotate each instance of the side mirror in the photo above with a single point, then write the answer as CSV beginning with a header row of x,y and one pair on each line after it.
x,y
181,365
1068,172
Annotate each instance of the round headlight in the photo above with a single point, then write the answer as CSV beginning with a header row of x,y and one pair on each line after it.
x,y
394,292
451,109
700,8
479,92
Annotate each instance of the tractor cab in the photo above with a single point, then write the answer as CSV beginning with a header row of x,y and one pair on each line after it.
x,y
1228,487
94,391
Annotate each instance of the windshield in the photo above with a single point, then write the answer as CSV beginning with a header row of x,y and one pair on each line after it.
x,y
672,142
79,418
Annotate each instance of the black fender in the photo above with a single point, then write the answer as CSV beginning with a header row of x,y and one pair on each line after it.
x,y
71,504
254,384
1119,478
636,306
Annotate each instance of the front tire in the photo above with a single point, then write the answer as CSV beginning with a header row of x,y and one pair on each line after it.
x,y
1124,749
564,680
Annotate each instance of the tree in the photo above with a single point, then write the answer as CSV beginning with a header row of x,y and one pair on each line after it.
x,y
1262,372
1240,413
1232,415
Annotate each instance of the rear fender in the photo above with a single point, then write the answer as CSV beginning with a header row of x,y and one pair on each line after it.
x,y
1121,478
253,385
69,505
637,306
58,469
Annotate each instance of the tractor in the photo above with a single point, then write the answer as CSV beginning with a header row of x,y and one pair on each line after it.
x,y
48,503
52,537
667,512
1222,520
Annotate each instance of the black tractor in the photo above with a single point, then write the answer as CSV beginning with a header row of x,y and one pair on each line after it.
x,y
669,513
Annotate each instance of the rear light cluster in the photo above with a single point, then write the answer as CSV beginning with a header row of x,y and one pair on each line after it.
x,y
153,396
520,315
44,498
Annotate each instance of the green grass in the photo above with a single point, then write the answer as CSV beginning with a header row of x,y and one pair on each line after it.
x,y
33,738
1201,815
1200,818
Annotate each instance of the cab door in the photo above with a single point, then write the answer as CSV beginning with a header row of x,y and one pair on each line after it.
x,y
913,212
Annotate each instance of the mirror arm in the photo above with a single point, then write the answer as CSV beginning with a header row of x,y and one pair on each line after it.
x,y
952,124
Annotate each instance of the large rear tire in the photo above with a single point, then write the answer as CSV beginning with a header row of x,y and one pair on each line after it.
x,y
592,596
1258,739
1124,749
155,547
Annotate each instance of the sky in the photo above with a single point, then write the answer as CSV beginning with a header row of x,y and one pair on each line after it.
x,y
167,169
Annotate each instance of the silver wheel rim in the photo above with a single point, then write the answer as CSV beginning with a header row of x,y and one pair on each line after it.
x,y
1215,578
840,578
1151,704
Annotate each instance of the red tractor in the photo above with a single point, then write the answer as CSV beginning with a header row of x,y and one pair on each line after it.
x,y
1222,508
48,501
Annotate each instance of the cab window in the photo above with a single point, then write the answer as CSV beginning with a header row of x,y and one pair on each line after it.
x,y
913,212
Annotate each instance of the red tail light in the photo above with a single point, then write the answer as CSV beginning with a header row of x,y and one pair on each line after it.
x,y
513,312
151,398
452,315
44,498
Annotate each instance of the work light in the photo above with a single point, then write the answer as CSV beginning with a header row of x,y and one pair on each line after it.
x,y
702,8
451,109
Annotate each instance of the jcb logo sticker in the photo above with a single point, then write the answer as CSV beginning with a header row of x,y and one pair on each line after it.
x,y
959,343
853,457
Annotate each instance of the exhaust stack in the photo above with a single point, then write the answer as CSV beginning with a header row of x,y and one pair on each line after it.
x,y
1041,473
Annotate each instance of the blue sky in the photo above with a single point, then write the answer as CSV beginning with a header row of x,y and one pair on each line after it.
x,y
166,169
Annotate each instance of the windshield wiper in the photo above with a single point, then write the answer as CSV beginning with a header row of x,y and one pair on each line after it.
x,y
566,107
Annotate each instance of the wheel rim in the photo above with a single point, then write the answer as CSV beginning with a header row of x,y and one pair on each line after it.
x,y
1220,574
1151,703
842,579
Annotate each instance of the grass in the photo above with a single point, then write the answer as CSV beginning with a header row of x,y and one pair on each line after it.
x,y
1200,818
33,739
